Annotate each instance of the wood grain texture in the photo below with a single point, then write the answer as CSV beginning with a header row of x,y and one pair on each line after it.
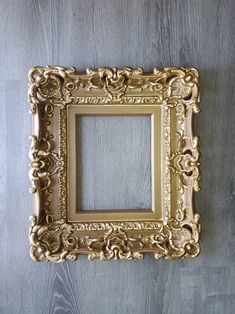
x,y
113,162
145,33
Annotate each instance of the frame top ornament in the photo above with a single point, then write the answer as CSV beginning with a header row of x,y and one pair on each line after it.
x,y
171,96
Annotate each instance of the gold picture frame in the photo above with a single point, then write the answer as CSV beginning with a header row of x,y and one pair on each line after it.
x,y
171,228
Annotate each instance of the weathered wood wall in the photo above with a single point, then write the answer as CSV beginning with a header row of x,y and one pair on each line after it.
x,y
88,33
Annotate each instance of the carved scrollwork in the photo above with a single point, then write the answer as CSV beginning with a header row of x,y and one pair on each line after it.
x,y
115,244
45,86
44,163
46,83
127,225
185,162
120,85
52,242
175,241
124,85
114,81
176,91
61,241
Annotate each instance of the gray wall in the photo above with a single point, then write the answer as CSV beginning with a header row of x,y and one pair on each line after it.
x,y
115,33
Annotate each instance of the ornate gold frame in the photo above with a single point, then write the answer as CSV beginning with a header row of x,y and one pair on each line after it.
x,y
170,96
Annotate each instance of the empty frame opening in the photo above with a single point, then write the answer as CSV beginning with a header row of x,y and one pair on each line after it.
x,y
113,162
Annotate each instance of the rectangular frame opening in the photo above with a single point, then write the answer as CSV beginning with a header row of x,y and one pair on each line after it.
x,y
113,162
155,213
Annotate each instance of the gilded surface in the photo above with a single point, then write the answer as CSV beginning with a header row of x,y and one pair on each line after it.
x,y
176,90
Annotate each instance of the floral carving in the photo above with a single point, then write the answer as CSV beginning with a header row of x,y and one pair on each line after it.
x,y
46,83
124,86
185,162
113,81
52,242
61,241
115,244
176,91
44,163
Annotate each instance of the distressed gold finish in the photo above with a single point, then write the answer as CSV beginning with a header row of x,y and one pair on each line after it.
x,y
171,228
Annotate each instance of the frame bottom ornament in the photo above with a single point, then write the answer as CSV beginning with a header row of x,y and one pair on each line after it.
x,y
60,241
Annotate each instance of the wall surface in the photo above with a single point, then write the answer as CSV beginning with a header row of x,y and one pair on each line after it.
x,y
87,33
